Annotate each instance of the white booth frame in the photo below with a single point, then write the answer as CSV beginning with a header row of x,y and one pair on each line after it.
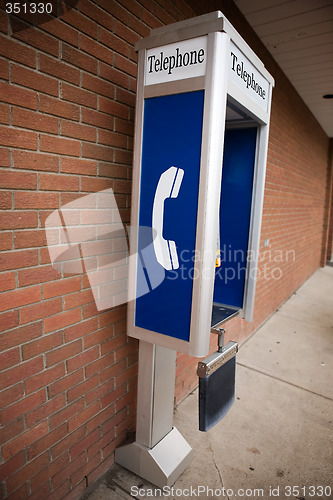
x,y
218,87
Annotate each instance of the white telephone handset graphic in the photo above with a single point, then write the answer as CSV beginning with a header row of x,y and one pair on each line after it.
x,y
168,187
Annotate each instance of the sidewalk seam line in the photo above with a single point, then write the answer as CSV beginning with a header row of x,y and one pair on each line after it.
x,y
282,380
299,320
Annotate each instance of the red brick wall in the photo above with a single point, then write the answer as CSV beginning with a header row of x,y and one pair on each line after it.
x,y
67,394
328,225
68,95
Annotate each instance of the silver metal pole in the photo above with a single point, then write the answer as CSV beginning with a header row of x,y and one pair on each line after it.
x,y
160,453
156,385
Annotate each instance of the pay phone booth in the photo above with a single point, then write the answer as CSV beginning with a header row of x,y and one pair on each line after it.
x,y
201,135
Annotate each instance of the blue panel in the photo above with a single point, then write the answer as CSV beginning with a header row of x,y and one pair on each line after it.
x,y
172,133
235,212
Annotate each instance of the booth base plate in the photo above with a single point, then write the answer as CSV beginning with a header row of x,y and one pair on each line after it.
x,y
160,465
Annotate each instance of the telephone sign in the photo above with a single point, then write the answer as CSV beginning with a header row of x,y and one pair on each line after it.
x,y
176,61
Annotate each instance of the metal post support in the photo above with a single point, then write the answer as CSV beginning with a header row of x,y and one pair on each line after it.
x,y
160,454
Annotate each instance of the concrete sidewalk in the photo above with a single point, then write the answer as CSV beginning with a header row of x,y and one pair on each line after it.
x,y
276,441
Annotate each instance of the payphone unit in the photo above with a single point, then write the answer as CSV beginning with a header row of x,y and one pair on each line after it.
x,y
201,136
202,117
